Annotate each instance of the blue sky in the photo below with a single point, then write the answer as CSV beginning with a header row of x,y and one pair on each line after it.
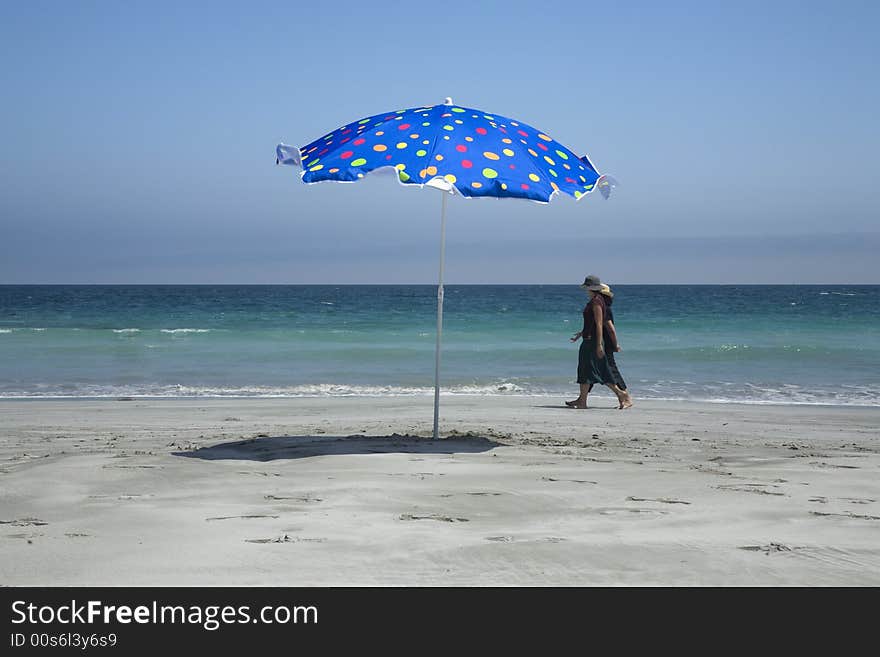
x,y
138,140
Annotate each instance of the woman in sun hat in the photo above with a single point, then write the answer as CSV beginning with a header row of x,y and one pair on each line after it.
x,y
598,343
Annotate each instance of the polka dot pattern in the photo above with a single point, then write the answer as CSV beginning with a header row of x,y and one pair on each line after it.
x,y
479,154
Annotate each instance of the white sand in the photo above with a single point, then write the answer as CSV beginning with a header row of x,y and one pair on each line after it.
x,y
164,492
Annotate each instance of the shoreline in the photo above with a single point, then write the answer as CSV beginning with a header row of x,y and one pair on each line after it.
x,y
426,395
352,491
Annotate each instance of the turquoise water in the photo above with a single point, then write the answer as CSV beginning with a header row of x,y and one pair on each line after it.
x,y
764,344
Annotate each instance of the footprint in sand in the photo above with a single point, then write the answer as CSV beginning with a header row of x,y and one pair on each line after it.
x,y
846,515
510,539
614,511
574,481
664,500
409,516
285,538
858,500
27,537
24,522
244,517
749,488
770,548
295,498
476,493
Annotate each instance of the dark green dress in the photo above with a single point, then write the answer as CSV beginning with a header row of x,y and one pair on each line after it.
x,y
592,369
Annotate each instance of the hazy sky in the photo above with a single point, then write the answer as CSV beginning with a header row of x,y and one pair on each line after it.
x,y
138,140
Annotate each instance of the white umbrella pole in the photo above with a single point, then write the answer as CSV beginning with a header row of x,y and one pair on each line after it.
x,y
439,320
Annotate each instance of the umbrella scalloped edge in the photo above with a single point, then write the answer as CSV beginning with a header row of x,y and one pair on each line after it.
x,y
604,184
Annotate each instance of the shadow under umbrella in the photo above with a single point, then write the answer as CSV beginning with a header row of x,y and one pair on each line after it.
x,y
271,448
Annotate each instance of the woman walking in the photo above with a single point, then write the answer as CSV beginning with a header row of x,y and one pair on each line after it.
x,y
598,343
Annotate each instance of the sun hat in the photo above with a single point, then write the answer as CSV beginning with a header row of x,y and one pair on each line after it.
x,y
604,289
593,283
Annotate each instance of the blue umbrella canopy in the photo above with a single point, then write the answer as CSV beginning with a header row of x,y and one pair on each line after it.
x,y
452,148
476,153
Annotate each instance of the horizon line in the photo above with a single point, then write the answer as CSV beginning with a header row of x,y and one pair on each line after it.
x,y
432,284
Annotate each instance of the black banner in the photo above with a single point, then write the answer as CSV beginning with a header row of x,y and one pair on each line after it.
x,y
130,620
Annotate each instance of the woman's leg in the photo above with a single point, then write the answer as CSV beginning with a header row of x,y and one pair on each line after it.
x,y
581,401
583,374
623,397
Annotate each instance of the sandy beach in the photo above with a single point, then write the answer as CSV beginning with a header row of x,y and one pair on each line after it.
x,y
351,491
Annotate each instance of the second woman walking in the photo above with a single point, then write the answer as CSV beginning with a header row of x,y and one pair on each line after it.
x,y
598,337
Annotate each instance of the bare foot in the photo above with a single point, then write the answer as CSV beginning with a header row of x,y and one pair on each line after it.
x,y
576,403
625,402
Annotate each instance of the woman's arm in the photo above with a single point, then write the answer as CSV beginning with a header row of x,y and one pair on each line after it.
x,y
612,334
598,316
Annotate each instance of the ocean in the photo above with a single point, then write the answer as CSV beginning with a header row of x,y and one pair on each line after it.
x,y
800,344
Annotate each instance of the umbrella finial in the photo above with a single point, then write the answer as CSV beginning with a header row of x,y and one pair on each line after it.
x,y
448,101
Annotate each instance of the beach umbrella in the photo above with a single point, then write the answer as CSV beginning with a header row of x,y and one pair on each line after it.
x,y
453,149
